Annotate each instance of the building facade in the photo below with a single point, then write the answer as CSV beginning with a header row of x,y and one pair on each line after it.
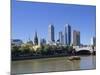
x,y
93,41
51,35
30,42
16,42
76,38
67,34
61,38
42,42
35,39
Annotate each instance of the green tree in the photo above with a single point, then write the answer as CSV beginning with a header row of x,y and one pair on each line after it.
x,y
15,49
38,51
25,49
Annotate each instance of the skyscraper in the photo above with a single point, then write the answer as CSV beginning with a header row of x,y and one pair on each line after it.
x,y
93,41
61,38
76,38
51,33
42,41
36,39
67,34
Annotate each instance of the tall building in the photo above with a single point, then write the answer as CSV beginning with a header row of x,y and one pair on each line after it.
x,y
36,39
42,42
76,38
93,41
67,34
51,33
61,38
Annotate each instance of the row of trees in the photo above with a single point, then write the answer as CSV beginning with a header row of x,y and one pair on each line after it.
x,y
42,50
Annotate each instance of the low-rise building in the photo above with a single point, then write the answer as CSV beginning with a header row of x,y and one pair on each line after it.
x,y
16,42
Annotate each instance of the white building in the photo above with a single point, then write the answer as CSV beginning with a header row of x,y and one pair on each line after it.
x,y
93,41
16,42
51,35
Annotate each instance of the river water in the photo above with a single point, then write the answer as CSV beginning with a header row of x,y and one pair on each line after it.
x,y
52,64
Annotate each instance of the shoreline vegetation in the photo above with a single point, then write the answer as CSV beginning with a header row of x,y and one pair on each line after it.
x,y
44,51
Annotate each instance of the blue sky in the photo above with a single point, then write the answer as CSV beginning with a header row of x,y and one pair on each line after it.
x,y
28,17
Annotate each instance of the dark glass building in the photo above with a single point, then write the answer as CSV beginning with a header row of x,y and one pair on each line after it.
x,y
67,34
51,33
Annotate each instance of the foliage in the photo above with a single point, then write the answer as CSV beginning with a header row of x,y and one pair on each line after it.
x,y
15,49
43,50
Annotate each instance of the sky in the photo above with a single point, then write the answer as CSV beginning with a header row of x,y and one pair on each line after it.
x,y
28,17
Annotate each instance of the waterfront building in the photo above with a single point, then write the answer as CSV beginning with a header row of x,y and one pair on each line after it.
x,y
67,34
16,42
61,38
42,42
93,41
51,35
36,39
76,38
30,42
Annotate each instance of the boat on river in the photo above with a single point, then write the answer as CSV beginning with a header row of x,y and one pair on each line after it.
x,y
74,58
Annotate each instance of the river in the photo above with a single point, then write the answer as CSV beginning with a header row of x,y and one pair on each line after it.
x,y
52,64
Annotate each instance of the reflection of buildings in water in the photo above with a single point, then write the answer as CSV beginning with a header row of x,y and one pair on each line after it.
x,y
57,64
88,63
94,62
75,64
52,64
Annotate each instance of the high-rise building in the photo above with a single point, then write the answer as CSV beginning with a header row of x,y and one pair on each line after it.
x,y
51,33
61,38
36,39
67,34
93,41
42,42
76,38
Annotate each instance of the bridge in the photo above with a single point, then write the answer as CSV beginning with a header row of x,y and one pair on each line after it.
x,y
84,50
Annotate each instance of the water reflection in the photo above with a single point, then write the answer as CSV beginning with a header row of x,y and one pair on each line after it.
x,y
52,64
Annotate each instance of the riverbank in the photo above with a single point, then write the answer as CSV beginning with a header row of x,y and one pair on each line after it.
x,y
41,57
37,57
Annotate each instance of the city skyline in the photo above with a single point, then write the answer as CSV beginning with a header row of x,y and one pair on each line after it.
x,y
28,17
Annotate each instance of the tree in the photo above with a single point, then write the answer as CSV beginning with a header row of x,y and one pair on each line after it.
x,y
66,48
25,49
15,50
38,51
